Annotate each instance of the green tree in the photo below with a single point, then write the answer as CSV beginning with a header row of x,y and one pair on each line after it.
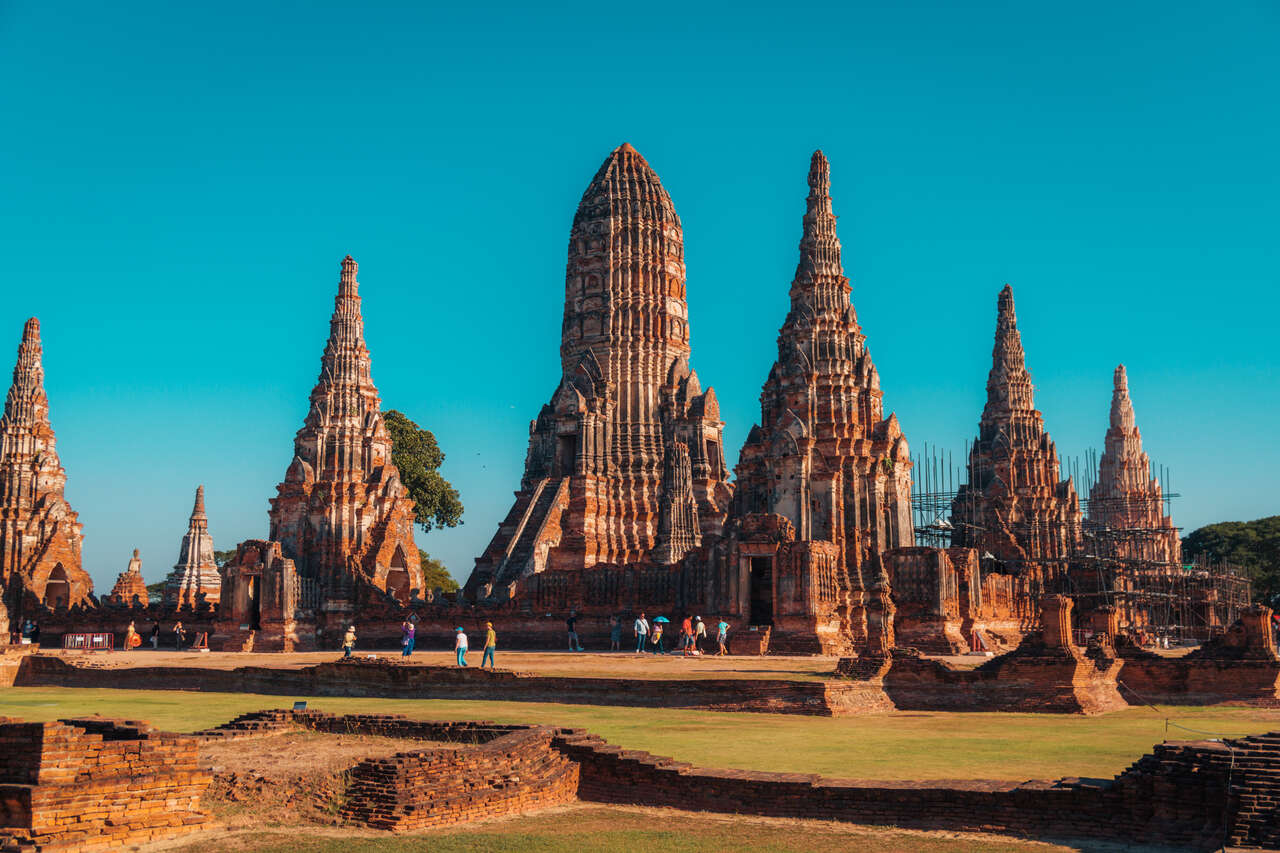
x,y
221,557
1254,545
415,452
434,574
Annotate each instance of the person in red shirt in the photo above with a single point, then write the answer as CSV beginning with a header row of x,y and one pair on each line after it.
x,y
686,636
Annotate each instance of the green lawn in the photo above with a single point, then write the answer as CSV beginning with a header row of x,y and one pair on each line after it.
x,y
905,745
601,828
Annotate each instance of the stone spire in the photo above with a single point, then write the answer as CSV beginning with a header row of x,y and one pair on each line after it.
x,y
824,456
130,589
1009,390
342,513
593,481
1013,505
820,284
40,535
1127,497
196,572
678,531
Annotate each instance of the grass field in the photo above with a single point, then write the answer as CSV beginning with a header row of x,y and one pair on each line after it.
x,y
602,828
904,745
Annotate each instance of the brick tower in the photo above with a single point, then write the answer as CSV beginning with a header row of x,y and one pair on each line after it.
x,y
824,456
195,573
1014,506
342,514
593,479
40,536
1127,497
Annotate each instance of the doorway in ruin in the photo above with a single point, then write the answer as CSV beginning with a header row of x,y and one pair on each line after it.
x,y
398,577
762,590
255,603
566,454
57,590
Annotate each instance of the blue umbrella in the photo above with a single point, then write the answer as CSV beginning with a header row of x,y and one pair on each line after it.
x,y
661,619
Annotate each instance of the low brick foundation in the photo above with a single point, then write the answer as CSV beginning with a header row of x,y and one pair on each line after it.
x,y
1183,795
96,784
393,679
100,784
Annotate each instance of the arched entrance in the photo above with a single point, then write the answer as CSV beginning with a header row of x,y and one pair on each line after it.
x,y
398,576
57,590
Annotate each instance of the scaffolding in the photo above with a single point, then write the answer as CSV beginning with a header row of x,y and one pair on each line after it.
x,y
1114,556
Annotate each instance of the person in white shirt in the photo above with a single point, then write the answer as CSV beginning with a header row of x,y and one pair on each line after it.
x,y
641,629
460,646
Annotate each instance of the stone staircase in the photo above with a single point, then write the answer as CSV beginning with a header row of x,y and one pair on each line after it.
x,y
519,558
1255,787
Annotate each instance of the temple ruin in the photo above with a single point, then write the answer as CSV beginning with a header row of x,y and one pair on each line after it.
x,y
599,484
40,534
823,457
195,576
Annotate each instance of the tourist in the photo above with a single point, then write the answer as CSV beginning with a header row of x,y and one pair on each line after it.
x,y
460,646
155,636
35,633
407,631
699,634
722,634
490,645
657,636
686,636
179,635
572,624
131,638
615,633
641,629
349,641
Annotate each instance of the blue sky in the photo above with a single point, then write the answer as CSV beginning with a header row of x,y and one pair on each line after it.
x,y
181,181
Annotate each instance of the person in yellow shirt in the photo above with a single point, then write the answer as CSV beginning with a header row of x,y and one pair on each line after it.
x,y
490,644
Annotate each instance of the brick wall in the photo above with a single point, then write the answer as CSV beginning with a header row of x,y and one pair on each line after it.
x,y
97,784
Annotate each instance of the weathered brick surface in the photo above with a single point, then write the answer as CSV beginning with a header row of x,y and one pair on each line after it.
x,y
1184,795
96,784
490,770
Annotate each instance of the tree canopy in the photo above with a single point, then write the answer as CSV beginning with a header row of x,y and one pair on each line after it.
x,y
415,452
1255,545
434,574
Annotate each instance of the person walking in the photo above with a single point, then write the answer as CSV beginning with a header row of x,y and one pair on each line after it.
x,y
460,646
686,636
349,641
155,635
408,633
699,634
615,633
131,638
179,635
641,629
572,624
657,638
722,634
490,645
